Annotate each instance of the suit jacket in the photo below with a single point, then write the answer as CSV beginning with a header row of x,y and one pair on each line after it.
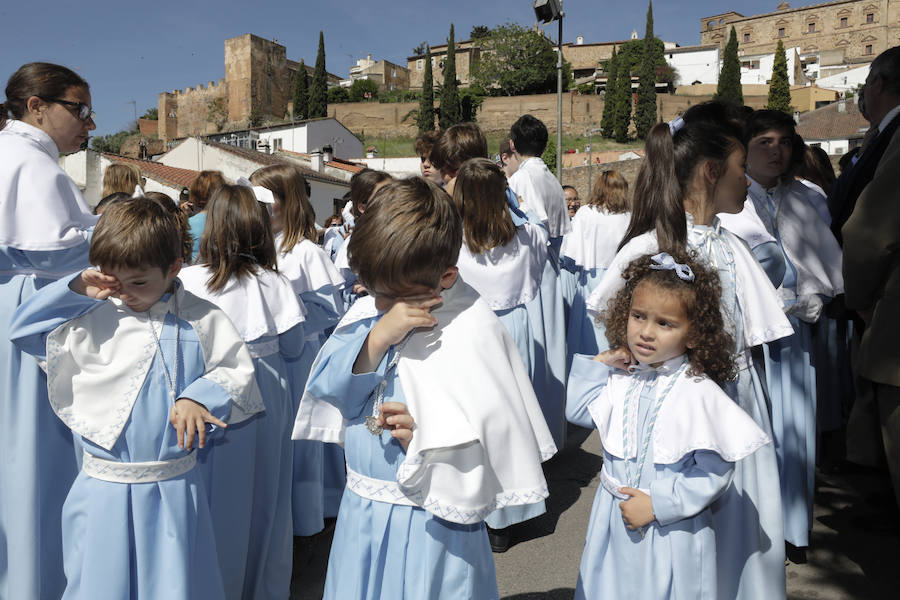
x,y
851,183
872,267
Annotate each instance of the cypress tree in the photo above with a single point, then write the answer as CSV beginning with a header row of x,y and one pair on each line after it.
x,y
425,120
608,123
450,112
301,93
645,114
318,89
623,102
729,89
779,87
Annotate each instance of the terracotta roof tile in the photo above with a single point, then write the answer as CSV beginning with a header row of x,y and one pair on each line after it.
x,y
337,163
272,159
829,123
171,176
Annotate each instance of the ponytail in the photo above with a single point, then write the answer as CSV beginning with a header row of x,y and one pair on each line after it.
x,y
36,79
657,202
3,117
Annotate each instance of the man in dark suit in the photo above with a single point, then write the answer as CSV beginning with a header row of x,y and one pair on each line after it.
x,y
869,220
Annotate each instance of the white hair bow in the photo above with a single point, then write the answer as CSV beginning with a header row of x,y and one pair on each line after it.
x,y
664,262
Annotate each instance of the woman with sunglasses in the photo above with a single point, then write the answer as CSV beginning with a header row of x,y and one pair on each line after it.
x,y
45,226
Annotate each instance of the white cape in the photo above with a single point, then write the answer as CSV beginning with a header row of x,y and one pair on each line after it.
x,y
480,435
696,415
259,306
595,237
88,356
541,194
307,267
761,308
507,276
41,208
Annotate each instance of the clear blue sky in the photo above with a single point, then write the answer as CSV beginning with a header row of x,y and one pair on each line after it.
x,y
133,51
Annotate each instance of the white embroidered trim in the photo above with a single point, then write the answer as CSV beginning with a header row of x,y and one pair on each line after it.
x,y
379,490
137,472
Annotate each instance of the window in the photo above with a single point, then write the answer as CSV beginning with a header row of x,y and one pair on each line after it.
x,y
868,51
276,144
781,32
812,28
843,21
746,38
870,17
750,64
420,64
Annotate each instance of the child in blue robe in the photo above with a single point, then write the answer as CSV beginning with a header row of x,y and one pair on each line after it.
x,y
670,435
428,394
128,352
250,473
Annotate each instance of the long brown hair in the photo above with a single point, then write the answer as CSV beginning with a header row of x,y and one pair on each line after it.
x,y
298,219
610,192
203,187
657,200
37,79
238,238
362,185
480,198
187,242
121,177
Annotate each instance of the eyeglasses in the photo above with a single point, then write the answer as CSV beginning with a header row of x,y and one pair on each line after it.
x,y
84,111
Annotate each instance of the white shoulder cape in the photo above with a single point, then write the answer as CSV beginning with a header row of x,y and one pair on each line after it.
x,y
762,310
696,415
480,435
595,236
541,194
508,276
258,306
41,208
746,225
97,363
806,239
308,267
342,258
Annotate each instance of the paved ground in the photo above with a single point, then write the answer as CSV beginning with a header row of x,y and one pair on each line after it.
x,y
854,552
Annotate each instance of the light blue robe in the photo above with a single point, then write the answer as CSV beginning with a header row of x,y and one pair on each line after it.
x,y
151,540
676,558
381,550
37,458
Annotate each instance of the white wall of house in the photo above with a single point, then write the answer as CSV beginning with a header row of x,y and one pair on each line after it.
x,y
84,169
193,154
397,167
292,138
846,80
835,147
301,137
760,67
695,65
330,132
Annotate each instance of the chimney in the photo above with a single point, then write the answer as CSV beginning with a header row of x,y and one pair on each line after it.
x,y
327,153
315,157
842,106
579,40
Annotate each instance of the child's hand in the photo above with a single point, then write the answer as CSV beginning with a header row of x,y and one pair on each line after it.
x,y
359,289
620,358
188,416
94,284
395,417
402,317
637,510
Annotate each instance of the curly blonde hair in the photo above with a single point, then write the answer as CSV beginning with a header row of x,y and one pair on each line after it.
x,y
711,352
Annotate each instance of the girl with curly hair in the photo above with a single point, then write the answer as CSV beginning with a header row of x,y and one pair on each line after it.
x,y
671,436
687,182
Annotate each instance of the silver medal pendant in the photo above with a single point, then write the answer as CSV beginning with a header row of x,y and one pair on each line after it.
x,y
373,426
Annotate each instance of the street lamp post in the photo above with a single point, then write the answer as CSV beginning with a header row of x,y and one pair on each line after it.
x,y
549,11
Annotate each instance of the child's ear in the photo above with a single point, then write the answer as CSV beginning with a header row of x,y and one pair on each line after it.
x,y
175,267
710,172
449,277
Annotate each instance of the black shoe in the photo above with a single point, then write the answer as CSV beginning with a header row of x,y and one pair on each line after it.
x,y
499,539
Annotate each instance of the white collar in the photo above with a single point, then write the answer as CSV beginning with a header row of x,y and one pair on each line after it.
x,y
668,367
37,134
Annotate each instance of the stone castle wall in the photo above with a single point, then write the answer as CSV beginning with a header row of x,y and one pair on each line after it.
x,y
187,112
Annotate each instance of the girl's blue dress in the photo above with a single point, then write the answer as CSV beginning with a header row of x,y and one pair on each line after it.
x,y
676,555
382,550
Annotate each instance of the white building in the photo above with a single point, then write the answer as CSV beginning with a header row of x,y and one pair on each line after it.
x,y
695,64
326,191
848,80
302,136
757,68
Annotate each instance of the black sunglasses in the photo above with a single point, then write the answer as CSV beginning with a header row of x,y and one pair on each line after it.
x,y
84,111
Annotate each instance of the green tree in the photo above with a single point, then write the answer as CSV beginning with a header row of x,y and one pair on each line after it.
x,y
549,155
729,89
112,143
338,94
623,103
478,32
515,60
632,53
318,89
425,116
450,113
151,113
301,93
645,113
363,89
779,87
608,122
420,49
